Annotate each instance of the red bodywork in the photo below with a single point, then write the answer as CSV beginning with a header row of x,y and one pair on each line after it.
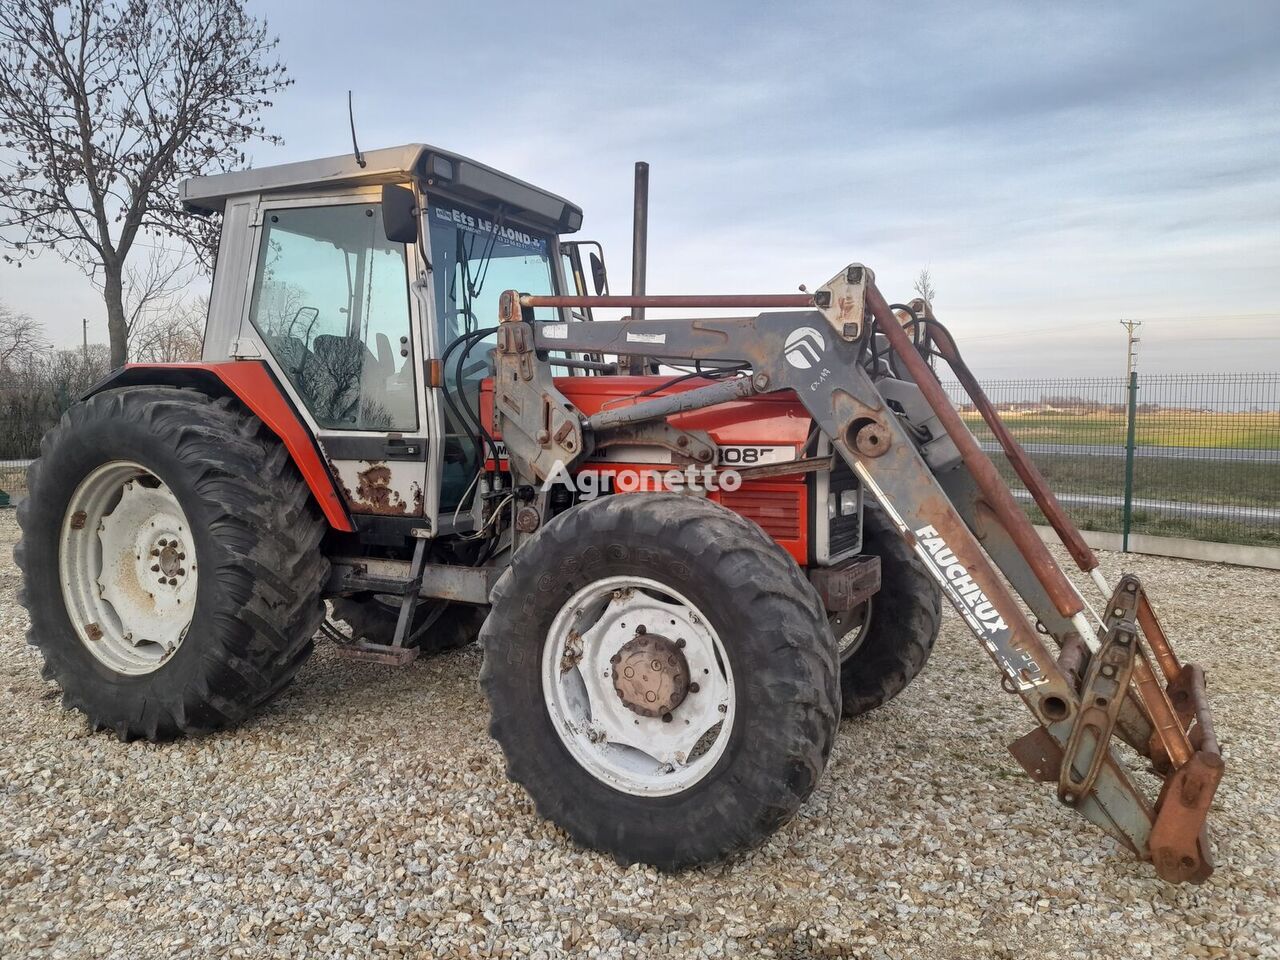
x,y
251,382
780,505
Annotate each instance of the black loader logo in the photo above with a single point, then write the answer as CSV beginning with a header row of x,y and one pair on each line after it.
x,y
804,348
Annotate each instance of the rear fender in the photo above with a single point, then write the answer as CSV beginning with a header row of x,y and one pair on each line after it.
x,y
252,383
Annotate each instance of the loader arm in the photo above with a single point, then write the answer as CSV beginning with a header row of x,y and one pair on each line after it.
x,y
1101,683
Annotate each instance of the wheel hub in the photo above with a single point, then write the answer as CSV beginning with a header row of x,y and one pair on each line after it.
x,y
168,556
650,675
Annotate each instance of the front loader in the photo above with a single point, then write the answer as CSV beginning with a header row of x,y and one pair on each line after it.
x,y
925,470
408,409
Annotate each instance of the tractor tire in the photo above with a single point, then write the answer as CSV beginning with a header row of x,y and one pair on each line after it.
x,y
171,562
374,620
885,643
667,780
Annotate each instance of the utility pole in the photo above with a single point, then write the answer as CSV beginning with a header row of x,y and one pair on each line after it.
x,y
84,329
1132,326
1130,446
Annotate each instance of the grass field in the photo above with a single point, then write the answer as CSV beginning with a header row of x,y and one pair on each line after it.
x,y
1226,482
1215,530
1163,428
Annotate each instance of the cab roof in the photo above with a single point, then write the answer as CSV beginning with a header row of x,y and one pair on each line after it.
x,y
455,174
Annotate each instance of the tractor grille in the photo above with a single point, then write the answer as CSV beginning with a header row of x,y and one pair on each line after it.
x,y
845,531
776,511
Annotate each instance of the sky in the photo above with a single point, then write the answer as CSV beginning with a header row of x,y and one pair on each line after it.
x,y
1057,167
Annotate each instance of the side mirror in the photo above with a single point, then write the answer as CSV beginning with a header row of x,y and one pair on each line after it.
x,y
399,213
599,278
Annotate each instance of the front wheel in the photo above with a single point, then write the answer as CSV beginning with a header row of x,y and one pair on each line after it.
x,y
661,678
885,642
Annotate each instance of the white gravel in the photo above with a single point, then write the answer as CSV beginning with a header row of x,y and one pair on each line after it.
x,y
365,813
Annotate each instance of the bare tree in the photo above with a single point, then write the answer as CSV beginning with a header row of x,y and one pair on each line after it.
x,y
153,293
924,286
105,108
172,335
21,338
37,387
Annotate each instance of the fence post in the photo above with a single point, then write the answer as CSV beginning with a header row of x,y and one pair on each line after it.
x,y
1129,446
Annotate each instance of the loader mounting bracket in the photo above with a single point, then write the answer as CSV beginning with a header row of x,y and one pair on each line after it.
x,y
1101,695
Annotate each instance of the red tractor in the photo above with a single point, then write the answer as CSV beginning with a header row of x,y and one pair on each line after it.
x,y
685,545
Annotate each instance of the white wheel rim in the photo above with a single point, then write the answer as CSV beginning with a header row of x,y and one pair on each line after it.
x,y
639,755
127,564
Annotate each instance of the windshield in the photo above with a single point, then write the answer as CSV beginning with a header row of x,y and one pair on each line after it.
x,y
475,257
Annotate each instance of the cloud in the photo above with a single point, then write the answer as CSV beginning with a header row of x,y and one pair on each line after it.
x,y
1057,166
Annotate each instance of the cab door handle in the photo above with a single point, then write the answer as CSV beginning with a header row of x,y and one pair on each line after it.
x,y
403,448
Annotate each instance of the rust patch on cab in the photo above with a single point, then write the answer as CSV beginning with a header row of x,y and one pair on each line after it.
x,y
374,493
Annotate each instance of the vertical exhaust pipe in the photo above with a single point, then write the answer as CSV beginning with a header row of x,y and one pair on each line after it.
x,y
639,252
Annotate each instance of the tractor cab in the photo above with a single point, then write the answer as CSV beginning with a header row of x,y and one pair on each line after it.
x,y
351,277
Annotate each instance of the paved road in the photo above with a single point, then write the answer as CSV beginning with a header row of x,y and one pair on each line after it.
x,y
1174,453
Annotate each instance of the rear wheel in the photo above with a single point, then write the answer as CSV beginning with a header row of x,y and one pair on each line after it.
x,y
885,642
661,678
171,562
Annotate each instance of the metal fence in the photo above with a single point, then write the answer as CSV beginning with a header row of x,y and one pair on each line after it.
x,y
1204,462
1173,455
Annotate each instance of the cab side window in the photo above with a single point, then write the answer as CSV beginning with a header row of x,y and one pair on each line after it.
x,y
331,301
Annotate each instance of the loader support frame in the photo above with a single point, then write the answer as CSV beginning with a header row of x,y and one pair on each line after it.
x,y
1078,699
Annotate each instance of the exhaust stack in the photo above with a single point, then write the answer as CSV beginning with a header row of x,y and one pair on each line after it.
x,y
639,252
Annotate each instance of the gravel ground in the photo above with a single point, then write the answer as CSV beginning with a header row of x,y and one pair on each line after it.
x,y
365,813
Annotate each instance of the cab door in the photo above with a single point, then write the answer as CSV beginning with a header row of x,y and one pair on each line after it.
x,y
331,304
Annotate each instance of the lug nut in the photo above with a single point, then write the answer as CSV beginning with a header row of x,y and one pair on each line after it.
x,y
666,718
173,581
155,552
694,688
155,567
641,630
680,642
